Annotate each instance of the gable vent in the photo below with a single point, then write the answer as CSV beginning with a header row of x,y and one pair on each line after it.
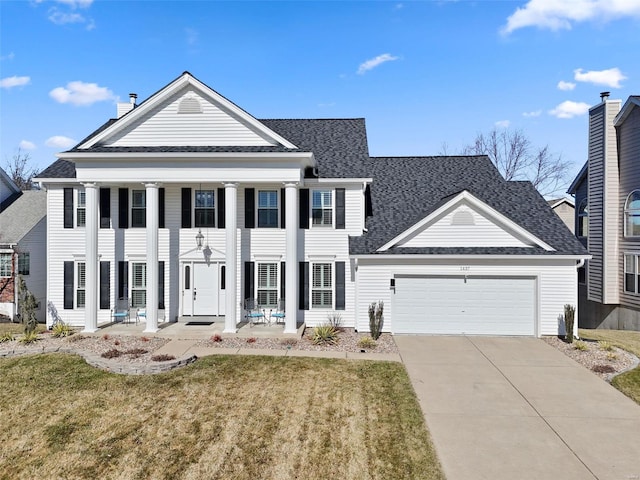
x,y
189,105
463,217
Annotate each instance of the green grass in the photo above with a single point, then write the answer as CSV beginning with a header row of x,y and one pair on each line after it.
x,y
18,328
239,417
629,382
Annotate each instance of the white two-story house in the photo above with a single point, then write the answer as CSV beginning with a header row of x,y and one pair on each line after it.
x,y
187,205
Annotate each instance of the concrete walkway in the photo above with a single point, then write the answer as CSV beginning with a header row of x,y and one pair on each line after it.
x,y
516,408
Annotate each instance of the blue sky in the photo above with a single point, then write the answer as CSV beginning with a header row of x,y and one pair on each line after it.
x,y
423,74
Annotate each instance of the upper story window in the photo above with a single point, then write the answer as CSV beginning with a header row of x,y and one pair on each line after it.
x,y
632,215
81,210
322,208
139,208
268,209
583,218
205,212
5,264
631,273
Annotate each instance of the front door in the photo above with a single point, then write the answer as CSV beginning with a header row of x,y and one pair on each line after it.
x,y
203,289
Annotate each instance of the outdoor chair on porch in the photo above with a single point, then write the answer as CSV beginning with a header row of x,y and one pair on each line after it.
x,y
254,314
141,314
278,315
121,312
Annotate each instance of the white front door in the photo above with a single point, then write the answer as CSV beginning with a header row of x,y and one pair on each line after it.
x,y
203,289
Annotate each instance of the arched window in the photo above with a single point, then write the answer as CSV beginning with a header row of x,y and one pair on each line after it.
x,y
583,218
632,215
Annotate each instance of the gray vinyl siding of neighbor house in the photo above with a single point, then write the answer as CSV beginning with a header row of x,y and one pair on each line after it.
x,y
629,154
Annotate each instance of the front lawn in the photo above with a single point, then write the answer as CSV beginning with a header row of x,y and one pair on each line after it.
x,y
239,417
628,383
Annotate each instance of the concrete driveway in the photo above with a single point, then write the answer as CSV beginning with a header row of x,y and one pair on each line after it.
x,y
516,408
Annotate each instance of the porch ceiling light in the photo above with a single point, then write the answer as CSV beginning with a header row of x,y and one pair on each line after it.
x,y
199,239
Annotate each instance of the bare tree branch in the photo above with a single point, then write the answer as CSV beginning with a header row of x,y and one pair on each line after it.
x,y
516,159
20,171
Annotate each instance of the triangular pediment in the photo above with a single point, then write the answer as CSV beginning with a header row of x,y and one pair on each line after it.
x,y
187,113
465,221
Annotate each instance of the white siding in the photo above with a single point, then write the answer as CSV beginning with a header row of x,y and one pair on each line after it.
x,y
447,232
165,126
556,284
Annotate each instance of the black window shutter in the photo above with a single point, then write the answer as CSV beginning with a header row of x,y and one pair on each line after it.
x,y
340,281
161,285
105,285
303,290
186,208
68,210
249,208
68,285
221,207
123,207
340,221
123,279
283,213
161,207
304,208
282,279
248,279
105,207
368,206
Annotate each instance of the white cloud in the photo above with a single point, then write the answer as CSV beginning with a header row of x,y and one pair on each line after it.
x,y
81,93
375,62
566,86
76,3
569,109
10,56
27,145
10,82
59,141
63,18
562,14
535,113
503,123
609,78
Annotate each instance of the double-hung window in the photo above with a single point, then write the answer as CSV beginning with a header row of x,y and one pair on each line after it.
x,y
631,273
268,284
80,284
24,263
583,218
268,209
138,284
322,208
322,286
138,208
205,208
5,264
81,209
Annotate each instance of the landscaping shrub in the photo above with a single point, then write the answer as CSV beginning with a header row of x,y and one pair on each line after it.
x,y
163,357
603,369
376,319
28,305
579,345
606,346
135,352
251,340
325,334
61,329
113,353
367,342
335,320
216,338
289,342
569,317
6,337
29,337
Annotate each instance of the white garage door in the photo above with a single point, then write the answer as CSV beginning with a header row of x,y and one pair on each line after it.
x,y
472,306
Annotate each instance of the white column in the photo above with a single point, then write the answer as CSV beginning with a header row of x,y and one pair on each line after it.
x,y
231,267
152,207
91,258
291,258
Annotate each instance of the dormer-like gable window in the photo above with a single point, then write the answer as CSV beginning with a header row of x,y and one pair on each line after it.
x,y
632,215
583,218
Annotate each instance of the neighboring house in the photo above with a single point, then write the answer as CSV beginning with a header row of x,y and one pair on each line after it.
x,y
607,199
188,204
9,191
565,209
23,230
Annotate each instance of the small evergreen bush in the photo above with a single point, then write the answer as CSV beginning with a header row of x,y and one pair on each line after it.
x,y
376,319
367,342
325,334
569,317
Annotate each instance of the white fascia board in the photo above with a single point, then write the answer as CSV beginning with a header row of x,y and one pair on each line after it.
x,y
182,81
561,201
88,156
481,206
407,256
9,181
357,181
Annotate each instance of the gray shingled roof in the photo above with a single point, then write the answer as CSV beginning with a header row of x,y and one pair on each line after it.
x,y
406,189
59,169
22,215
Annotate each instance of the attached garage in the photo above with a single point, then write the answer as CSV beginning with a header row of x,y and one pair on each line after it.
x,y
472,305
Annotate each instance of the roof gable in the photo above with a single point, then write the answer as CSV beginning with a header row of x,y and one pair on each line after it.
x,y
186,113
465,221
632,102
22,215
